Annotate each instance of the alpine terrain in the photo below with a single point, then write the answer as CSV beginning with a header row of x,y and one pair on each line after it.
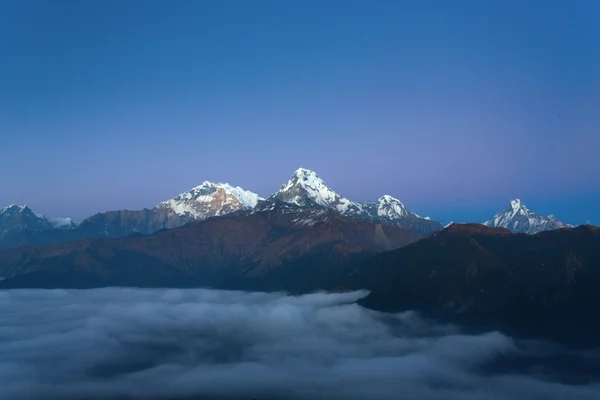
x,y
519,219
20,226
306,189
15,219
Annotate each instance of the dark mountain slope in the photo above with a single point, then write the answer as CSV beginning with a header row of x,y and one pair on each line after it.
x,y
547,282
264,249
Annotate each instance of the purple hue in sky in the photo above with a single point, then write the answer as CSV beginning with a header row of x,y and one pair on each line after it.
x,y
452,107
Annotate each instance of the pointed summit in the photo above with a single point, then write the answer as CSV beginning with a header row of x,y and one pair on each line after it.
x,y
306,174
306,189
518,218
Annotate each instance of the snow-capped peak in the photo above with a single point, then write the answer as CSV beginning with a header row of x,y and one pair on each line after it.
x,y
210,199
515,204
306,174
13,207
305,188
310,182
518,218
518,207
390,207
246,197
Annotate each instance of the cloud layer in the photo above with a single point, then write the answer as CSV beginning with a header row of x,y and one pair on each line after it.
x,y
200,344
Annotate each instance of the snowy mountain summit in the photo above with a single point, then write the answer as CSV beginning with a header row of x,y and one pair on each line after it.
x,y
306,189
518,218
211,199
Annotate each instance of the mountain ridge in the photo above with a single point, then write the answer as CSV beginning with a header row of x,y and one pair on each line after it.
x,y
305,189
263,250
474,274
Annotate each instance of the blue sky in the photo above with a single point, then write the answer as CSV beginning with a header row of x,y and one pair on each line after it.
x,y
452,107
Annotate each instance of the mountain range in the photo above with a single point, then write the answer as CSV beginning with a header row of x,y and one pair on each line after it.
x,y
303,189
518,272
19,225
481,277
243,250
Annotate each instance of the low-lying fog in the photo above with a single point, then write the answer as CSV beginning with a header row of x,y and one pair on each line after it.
x,y
151,344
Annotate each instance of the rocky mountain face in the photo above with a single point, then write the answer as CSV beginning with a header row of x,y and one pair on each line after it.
x,y
306,189
491,278
284,248
16,219
518,218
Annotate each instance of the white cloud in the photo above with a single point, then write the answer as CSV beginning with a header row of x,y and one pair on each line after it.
x,y
164,343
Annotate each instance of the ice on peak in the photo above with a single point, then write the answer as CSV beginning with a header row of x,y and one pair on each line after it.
x,y
390,207
518,218
305,187
304,176
388,199
14,206
206,184
515,204
59,222
247,198
56,222
303,172
198,201
518,207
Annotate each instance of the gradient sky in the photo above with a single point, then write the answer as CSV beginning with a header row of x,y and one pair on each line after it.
x,y
454,107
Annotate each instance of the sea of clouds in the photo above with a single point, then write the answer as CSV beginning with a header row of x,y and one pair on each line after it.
x,y
121,343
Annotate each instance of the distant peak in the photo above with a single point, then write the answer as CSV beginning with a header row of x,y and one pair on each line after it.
x,y
518,218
